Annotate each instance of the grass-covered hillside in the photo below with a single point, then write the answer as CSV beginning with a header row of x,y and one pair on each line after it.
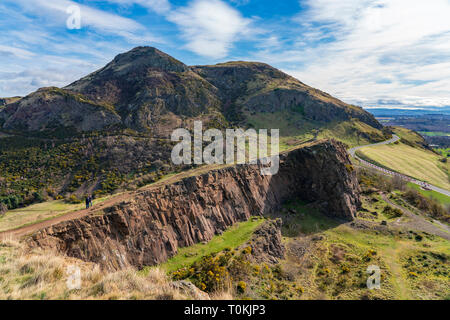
x,y
111,129
402,231
410,157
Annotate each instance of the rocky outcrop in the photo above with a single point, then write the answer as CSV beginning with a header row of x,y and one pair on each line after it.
x,y
148,229
259,88
266,242
190,290
52,108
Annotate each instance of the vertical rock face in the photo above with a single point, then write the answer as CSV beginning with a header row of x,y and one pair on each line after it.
x,y
266,242
148,229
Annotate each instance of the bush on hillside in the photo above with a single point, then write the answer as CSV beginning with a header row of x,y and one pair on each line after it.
x,y
428,205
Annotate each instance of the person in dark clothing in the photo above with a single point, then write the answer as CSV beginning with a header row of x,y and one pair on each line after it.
x,y
87,202
90,201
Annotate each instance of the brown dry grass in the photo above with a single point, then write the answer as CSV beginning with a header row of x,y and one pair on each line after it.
x,y
36,274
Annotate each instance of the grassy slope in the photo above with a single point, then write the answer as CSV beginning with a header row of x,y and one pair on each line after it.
x,y
343,246
232,238
409,135
391,251
328,260
40,275
39,212
415,162
434,134
431,194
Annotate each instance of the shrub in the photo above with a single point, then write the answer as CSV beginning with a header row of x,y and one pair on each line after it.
x,y
241,286
349,168
391,212
73,199
430,206
38,196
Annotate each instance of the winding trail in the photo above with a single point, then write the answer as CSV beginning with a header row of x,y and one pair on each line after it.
x,y
395,138
419,222
23,231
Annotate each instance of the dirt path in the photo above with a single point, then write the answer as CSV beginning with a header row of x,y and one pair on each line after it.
x,y
29,229
419,223
22,231
391,256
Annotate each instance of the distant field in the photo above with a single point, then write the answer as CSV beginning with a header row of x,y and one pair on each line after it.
x,y
442,151
415,162
434,134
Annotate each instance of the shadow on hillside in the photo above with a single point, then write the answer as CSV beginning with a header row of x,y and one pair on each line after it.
x,y
300,219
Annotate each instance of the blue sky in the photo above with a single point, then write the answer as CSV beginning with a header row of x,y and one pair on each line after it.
x,y
367,52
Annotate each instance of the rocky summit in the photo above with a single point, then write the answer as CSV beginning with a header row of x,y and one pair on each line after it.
x,y
111,129
147,90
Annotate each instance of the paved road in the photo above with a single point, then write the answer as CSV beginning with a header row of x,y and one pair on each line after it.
x,y
395,138
352,151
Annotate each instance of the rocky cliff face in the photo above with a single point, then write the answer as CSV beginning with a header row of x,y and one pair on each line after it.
x,y
51,108
253,87
151,90
148,229
266,243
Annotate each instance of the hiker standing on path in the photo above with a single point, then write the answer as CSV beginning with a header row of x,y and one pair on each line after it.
x,y
87,202
90,201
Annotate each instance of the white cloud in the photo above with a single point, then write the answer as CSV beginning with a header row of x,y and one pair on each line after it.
x,y
158,6
36,50
54,12
17,52
210,27
91,17
376,49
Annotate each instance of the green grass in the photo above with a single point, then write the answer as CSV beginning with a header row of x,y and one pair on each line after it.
x,y
232,238
443,151
434,134
409,135
412,161
442,198
39,212
353,133
306,220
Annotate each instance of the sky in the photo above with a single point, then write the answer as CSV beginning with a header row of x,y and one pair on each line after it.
x,y
372,53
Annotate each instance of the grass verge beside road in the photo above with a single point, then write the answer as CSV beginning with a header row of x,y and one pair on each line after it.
x,y
415,162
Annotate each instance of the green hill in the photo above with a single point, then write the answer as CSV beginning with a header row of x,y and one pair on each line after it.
x,y
111,129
